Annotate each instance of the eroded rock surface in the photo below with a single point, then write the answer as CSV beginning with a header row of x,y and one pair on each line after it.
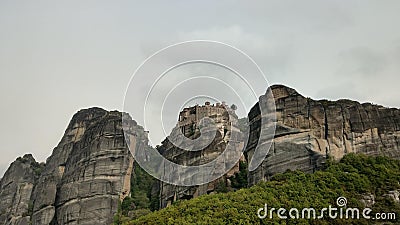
x,y
307,131
83,180
16,188
188,124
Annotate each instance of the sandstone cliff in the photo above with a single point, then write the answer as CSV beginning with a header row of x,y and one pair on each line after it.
x,y
308,131
227,132
16,188
83,180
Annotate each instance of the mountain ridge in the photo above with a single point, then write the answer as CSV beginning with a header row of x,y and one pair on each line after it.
x,y
89,172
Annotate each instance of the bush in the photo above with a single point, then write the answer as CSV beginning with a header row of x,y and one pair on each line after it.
x,y
352,177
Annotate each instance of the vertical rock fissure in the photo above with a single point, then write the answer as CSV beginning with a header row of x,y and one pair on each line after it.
x,y
344,136
309,112
326,128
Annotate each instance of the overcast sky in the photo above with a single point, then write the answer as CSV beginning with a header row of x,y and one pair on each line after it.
x,y
58,57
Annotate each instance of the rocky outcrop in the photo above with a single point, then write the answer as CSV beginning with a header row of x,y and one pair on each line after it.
x,y
83,180
170,193
188,124
45,193
16,189
308,131
394,195
368,200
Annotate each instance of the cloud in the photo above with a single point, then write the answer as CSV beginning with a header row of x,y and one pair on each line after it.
x,y
233,35
339,90
362,61
273,54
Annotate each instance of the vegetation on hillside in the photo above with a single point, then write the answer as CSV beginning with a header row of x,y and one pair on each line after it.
x,y
143,200
354,177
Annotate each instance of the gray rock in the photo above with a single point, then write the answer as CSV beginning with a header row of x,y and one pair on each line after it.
x,y
83,180
308,131
93,177
368,200
188,124
394,195
16,189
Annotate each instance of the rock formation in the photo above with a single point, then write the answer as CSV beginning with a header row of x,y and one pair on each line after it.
x,y
188,124
309,131
83,180
90,170
16,188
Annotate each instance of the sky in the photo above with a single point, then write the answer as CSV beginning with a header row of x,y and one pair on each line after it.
x,y
57,57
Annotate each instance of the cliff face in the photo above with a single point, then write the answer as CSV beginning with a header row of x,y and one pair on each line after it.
x,y
16,188
307,131
188,125
83,180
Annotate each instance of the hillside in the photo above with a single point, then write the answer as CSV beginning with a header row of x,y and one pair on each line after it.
x,y
365,181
